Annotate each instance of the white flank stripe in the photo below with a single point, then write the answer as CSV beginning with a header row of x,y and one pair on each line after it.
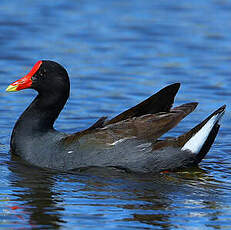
x,y
120,140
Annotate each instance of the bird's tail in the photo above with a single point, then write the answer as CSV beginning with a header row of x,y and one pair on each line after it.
x,y
200,138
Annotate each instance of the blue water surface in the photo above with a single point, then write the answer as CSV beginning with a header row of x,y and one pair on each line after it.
x,y
118,53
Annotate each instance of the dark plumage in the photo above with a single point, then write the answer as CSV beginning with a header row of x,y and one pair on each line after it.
x,y
129,140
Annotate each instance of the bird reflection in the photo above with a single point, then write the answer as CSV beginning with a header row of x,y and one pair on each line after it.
x,y
147,199
39,200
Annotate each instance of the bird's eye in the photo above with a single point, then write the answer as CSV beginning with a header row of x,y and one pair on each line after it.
x,y
39,75
42,73
34,77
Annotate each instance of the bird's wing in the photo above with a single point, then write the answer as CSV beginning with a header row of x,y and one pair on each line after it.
x,y
148,127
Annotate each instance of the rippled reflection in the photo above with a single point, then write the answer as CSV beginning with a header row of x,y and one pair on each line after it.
x,y
50,199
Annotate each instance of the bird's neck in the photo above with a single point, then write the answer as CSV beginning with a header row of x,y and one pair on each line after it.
x,y
41,114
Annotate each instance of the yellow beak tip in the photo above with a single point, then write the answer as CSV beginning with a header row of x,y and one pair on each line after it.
x,y
11,88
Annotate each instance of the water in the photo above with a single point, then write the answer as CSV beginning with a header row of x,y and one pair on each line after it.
x,y
117,54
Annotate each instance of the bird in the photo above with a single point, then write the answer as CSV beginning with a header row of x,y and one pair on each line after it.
x,y
131,141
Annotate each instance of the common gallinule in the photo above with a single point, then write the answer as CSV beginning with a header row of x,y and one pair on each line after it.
x,y
128,141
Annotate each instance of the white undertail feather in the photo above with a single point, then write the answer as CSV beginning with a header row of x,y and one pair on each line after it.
x,y
196,142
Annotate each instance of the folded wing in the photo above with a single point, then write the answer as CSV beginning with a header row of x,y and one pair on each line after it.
x,y
148,120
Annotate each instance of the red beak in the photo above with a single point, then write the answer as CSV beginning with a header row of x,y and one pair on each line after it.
x,y
25,82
